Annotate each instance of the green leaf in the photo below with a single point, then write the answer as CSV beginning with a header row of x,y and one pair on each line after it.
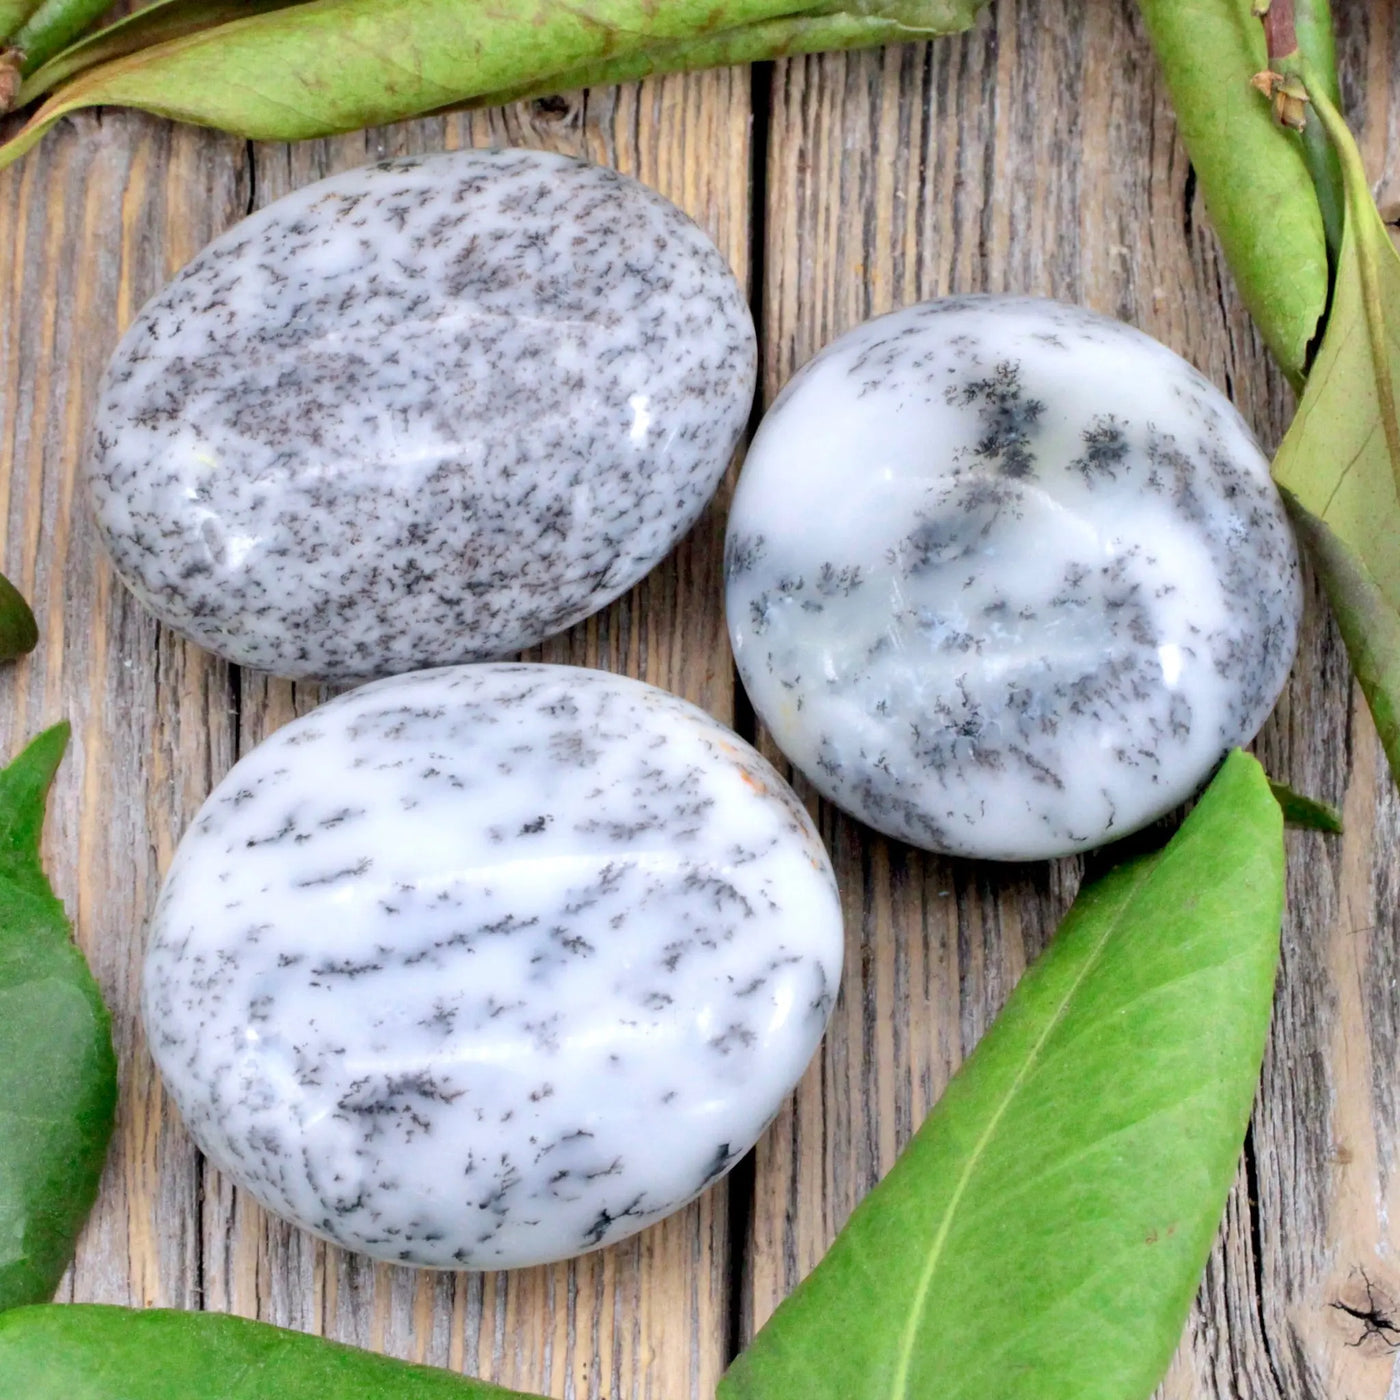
x,y
1043,1235
89,1352
58,1075
13,13
1252,173
19,633
1339,462
338,65
53,25
154,24
1317,50
1307,813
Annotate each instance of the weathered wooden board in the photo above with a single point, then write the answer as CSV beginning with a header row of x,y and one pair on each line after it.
x,y
89,228
1038,155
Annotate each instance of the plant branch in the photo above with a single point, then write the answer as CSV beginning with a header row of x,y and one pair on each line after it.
x,y
11,77
1280,30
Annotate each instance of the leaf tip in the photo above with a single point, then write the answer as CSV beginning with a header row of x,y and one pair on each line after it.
x,y
42,755
1307,813
19,632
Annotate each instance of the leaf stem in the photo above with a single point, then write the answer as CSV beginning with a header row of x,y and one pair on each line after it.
x,y
1360,207
1317,54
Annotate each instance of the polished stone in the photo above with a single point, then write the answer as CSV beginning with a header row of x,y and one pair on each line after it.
x,y
432,410
1008,579
490,965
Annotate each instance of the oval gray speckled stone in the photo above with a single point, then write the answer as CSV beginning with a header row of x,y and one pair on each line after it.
x,y
431,410
1006,578
490,965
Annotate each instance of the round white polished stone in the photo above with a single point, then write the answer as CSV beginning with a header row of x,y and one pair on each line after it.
x,y
428,411
490,965
1007,579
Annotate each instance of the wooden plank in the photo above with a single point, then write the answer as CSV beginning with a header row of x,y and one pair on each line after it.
x,y
88,230
648,1316
92,225
1038,155
890,177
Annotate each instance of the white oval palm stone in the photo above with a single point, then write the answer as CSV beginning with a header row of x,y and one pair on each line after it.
x,y
490,965
431,410
1007,579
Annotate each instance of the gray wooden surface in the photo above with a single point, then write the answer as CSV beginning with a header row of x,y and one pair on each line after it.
x,y
1035,155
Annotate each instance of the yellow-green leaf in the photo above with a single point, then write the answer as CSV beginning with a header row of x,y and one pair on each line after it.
x,y
1339,463
1253,174
338,65
144,28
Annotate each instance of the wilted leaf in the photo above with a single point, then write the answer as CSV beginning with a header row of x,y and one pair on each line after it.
x,y
1339,462
339,65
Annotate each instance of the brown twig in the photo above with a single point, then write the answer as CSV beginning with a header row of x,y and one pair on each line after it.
x,y
11,76
1280,32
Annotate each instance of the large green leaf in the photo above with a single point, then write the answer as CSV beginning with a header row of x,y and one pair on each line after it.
x,y
1253,174
1339,463
338,65
19,633
89,1352
58,1075
1042,1236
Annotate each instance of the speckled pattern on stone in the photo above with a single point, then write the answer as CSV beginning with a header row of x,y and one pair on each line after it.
x,y
433,410
1006,578
490,965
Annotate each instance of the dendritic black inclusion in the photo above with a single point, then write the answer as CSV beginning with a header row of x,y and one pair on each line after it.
x,y
1010,419
1105,447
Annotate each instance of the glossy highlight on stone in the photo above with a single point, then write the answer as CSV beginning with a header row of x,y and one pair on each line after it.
x,y
1006,578
429,411
490,965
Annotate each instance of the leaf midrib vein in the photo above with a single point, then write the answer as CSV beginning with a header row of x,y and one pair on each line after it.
x,y
905,1356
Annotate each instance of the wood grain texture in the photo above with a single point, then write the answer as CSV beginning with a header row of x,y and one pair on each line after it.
x,y
90,228
1037,154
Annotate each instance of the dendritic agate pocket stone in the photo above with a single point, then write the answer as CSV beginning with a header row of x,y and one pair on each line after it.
x,y
1007,579
490,965
432,410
